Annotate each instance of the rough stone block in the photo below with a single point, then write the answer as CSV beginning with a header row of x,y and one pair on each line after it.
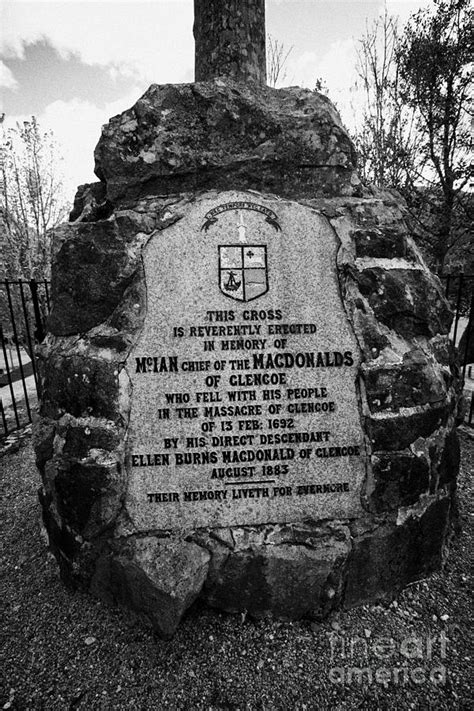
x,y
89,493
408,301
414,382
89,276
444,352
158,579
80,386
289,579
76,561
387,558
225,135
449,463
389,432
83,435
398,480
90,203
373,341
43,438
128,316
386,243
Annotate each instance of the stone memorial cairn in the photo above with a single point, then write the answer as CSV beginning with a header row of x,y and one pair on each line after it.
x,y
249,393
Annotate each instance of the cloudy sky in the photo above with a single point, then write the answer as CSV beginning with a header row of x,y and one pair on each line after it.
x,y
75,64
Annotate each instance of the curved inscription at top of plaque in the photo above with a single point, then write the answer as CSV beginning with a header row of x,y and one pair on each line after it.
x,y
244,396
211,217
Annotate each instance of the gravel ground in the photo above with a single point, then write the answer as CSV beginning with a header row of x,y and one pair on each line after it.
x,y
65,650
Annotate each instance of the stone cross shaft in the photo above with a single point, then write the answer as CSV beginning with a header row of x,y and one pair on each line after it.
x,y
230,40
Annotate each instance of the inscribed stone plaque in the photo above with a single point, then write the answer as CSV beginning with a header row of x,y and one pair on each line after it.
x,y
244,402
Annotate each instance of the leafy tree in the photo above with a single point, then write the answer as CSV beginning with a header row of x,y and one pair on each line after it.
x,y
414,135
435,62
32,200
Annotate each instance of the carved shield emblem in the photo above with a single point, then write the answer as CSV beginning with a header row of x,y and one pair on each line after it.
x,y
243,274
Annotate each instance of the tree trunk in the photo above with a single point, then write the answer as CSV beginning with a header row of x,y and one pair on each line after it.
x,y
445,229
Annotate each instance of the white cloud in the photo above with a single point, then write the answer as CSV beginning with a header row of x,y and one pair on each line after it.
x,y
302,69
148,40
77,127
337,66
337,69
7,80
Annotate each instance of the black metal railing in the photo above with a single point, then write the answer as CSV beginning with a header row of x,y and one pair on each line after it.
x,y
459,290
24,306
